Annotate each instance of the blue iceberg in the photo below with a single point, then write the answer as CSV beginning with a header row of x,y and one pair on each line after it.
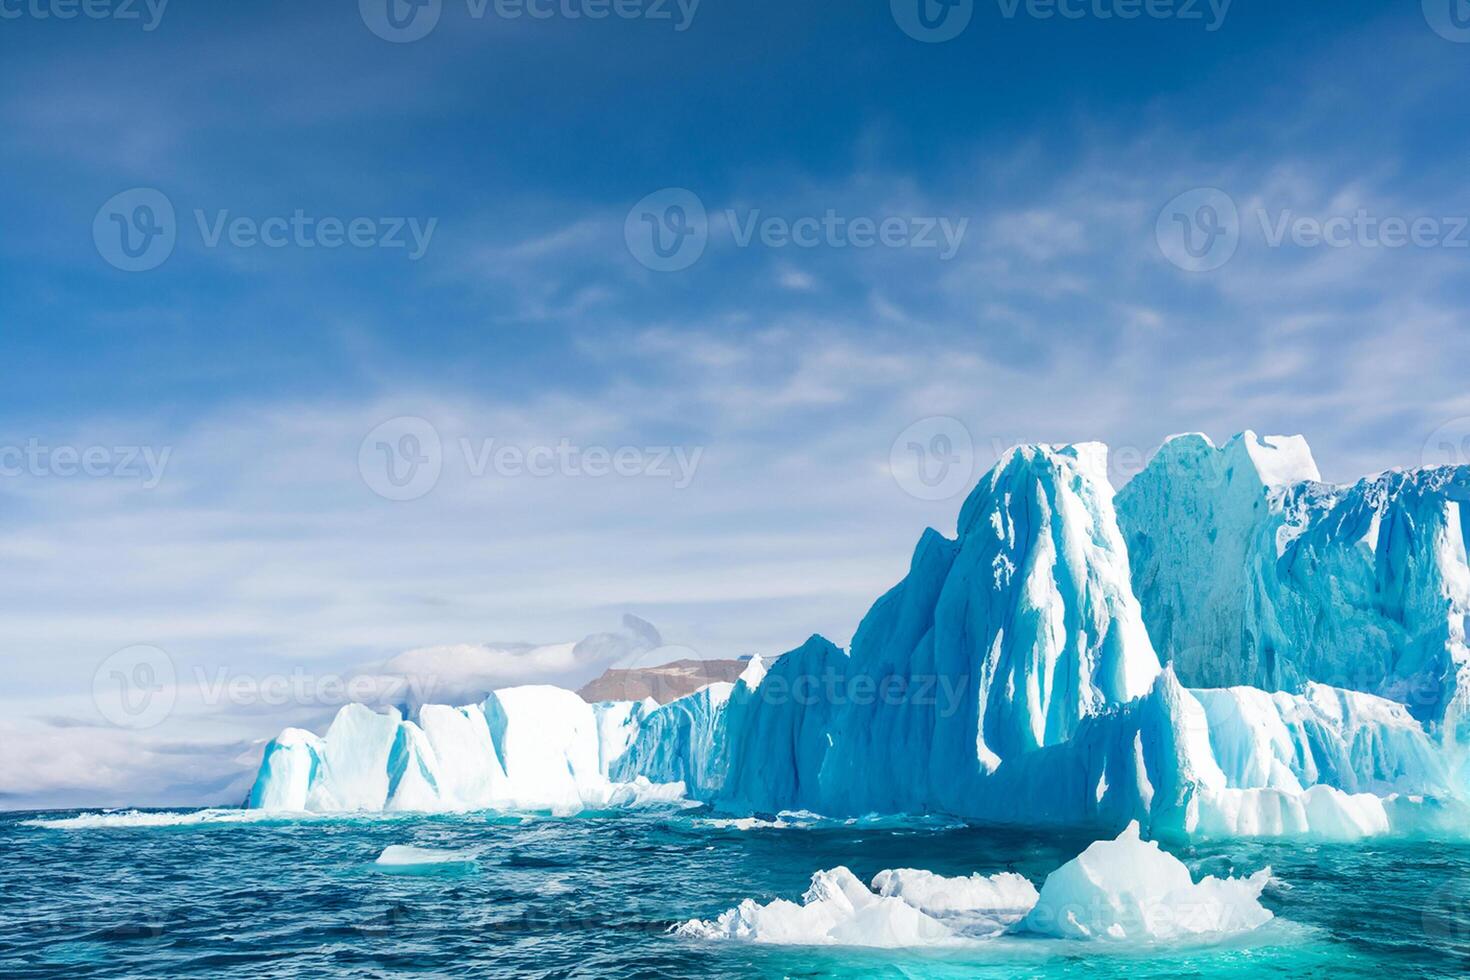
x,y
1228,647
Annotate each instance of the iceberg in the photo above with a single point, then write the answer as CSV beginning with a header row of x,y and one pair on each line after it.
x,y
838,909
1226,647
524,748
1129,889
995,645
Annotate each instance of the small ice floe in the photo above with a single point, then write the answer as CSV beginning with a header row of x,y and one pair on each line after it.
x,y
405,859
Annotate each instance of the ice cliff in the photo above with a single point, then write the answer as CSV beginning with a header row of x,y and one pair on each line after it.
x,y
523,748
1236,649
1251,571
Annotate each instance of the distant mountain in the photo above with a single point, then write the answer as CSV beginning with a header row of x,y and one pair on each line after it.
x,y
664,683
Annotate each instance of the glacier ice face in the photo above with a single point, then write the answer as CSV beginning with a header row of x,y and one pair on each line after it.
x,y
1267,766
1251,572
681,742
996,644
548,740
527,748
1129,889
687,741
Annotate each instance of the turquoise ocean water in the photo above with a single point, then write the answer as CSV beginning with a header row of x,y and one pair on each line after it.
x,y
211,894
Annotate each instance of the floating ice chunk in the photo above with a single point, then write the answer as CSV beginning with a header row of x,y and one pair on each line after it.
x,y
938,895
836,910
1129,889
404,857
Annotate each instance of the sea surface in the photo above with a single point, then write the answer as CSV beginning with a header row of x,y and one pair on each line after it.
x,y
227,894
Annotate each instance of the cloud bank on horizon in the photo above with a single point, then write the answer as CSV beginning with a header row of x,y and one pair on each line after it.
x,y
512,400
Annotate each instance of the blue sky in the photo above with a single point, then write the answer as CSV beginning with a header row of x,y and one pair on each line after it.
x,y
785,374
